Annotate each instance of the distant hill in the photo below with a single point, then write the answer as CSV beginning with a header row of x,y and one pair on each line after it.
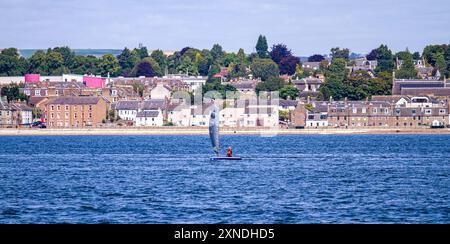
x,y
83,52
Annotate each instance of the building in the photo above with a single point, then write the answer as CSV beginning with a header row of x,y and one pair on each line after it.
x,y
417,87
179,114
13,115
317,117
76,111
149,118
128,110
310,84
161,91
311,66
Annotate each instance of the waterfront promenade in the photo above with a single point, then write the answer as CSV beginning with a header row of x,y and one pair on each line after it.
x,y
204,131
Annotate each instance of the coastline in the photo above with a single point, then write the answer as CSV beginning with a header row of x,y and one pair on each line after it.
x,y
204,131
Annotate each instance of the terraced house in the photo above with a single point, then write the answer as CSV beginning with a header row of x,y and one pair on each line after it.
x,y
380,111
76,111
13,115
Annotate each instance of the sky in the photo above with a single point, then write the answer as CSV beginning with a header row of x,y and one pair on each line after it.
x,y
305,26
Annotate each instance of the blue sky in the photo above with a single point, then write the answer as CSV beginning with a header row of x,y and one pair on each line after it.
x,y
305,26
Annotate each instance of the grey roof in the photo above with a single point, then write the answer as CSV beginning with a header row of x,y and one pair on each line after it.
x,y
14,106
74,100
244,85
152,104
147,114
127,105
288,103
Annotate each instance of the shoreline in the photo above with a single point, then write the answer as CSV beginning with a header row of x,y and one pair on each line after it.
x,y
204,131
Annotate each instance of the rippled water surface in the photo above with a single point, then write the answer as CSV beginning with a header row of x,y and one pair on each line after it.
x,y
169,179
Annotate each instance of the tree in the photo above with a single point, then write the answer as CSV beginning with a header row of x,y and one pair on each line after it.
x,y
12,93
109,65
217,86
242,57
408,69
316,58
85,65
430,51
141,52
188,67
416,55
262,47
337,70
144,68
335,75
271,84
127,60
11,64
289,92
264,69
288,64
372,55
38,63
299,71
385,59
55,63
160,58
344,53
217,53
204,63
67,54
139,89
439,63
279,52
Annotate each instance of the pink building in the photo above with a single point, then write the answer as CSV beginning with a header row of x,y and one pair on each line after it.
x,y
94,82
32,78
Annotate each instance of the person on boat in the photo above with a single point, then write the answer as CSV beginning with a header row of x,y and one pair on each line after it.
x,y
230,152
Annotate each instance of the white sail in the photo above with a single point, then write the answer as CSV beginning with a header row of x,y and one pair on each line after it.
x,y
214,129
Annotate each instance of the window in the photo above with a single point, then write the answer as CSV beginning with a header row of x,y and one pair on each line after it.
x,y
427,111
52,108
323,116
374,110
441,111
355,110
311,117
27,92
58,115
58,107
75,115
37,92
413,111
67,107
397,111
363,110
90,115
90,107
153,119
52,115
56,92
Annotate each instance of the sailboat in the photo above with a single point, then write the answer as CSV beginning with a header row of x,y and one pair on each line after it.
x,y
214,135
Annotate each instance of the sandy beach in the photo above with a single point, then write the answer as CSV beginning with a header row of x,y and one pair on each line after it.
x,y
204,131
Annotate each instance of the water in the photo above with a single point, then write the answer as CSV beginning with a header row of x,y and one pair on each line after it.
x,y
169,179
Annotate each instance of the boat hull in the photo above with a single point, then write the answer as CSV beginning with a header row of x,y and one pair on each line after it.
x,y
225,158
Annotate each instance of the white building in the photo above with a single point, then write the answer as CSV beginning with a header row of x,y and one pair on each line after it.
x,y
149,118
160,91
179,115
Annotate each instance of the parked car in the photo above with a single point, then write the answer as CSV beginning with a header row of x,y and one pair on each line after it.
x,y
38,124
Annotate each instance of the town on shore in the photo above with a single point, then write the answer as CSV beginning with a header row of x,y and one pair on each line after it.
x,y
56,89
